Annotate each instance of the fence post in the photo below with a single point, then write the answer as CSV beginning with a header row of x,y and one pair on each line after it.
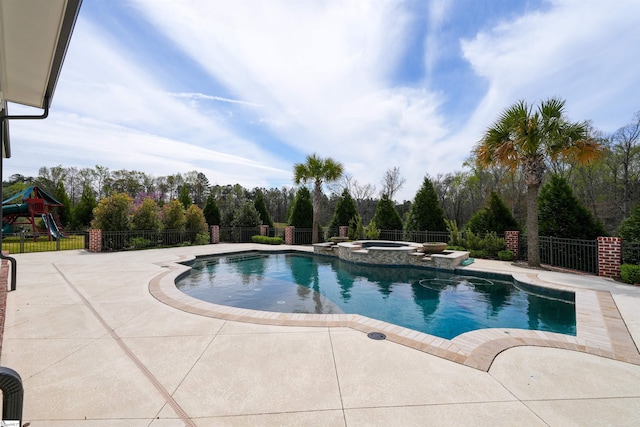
x,y
264,230
512,242
22,241
343,231
95,240
215,234
288,235
609,256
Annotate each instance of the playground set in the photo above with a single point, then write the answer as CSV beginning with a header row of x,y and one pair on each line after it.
x,y
20,212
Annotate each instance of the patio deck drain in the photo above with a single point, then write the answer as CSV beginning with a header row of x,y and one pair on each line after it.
x,y
377,336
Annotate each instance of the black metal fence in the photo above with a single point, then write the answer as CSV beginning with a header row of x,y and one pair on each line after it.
x,y
572,254
302,236
140,239
26,242
238,234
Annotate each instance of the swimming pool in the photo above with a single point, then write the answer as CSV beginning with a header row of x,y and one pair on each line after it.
x,y
436,303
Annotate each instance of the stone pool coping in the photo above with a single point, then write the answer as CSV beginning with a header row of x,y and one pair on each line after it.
x,y
601,330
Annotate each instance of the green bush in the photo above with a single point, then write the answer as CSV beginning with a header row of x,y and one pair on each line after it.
x,y
630,227
173,217
630,273
267,240
477,253
112,213
194,220
506,255
202,239
371,231
140,243
455,233
146,216
355,230
490,244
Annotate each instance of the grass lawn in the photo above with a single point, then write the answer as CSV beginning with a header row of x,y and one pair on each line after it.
x,y
42,244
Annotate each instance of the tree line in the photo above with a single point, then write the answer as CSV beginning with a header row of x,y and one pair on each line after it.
x,y
608,187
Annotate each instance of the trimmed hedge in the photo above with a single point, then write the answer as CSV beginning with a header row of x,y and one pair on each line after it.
x,y
267,240
506,255
630,273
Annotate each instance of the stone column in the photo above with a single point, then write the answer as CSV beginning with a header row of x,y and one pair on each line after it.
x,y
288,235
264,230
344,231
215,234
512,242
95,240
609,256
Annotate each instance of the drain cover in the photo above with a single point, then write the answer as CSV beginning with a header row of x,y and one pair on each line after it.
x,y
376,335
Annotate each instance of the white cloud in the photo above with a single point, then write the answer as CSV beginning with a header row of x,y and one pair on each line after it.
x,y
320,77
109,110
578,50
322,71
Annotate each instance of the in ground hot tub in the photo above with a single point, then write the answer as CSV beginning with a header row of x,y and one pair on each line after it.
x,y
389,252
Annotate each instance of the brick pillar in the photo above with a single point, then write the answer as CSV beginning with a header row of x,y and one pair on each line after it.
x,y
512,242
609,256
95,240
264,230
344,231
215,234
288,235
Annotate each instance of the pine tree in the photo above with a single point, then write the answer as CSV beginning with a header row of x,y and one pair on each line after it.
x,y
346,211
560,213
495,216
425,213
82,213
211,211
301,215
64,211
261,207
386,216
185,197
246,216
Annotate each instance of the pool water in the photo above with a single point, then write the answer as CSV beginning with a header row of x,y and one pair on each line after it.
x,y
436,303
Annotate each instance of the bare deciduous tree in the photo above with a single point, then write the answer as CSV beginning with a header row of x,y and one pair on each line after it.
x,y
392,182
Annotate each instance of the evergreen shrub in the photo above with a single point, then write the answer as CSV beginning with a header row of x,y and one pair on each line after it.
x,y
267,240
561,214
630,273
506,255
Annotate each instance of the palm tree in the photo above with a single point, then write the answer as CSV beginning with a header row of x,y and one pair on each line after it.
x,y
527,139
318,170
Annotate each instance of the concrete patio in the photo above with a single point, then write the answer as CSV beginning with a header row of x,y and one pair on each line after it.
x,y
94,347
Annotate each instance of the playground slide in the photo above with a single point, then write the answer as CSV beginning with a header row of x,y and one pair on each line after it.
x,y
53,228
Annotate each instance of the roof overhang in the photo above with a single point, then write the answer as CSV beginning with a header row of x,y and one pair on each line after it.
x,y
34,36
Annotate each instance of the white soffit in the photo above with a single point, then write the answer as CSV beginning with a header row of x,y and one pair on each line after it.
x,y
34,35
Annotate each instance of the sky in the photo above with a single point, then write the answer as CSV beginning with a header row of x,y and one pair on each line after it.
x,y
242,90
